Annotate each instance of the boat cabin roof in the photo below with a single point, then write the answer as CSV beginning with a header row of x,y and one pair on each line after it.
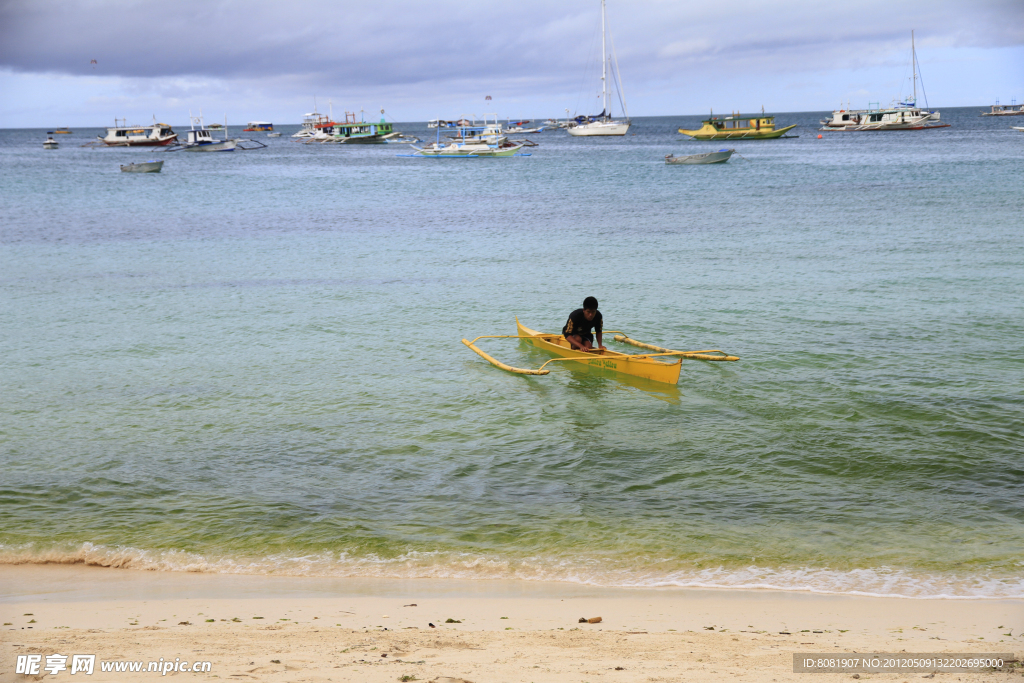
x,y
739,117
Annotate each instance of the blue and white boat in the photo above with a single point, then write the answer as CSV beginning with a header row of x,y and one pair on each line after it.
x,y
472,142
200,138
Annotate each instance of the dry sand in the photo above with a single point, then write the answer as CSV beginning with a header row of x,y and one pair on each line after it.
x,y
257,628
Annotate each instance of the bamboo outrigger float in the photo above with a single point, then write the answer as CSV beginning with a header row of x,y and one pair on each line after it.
x,y
637,365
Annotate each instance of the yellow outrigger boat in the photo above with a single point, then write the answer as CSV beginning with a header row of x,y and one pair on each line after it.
x,y
636,365
756,127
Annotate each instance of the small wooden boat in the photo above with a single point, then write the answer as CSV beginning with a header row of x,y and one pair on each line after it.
x,y
635,365
151,166
719,157
756,127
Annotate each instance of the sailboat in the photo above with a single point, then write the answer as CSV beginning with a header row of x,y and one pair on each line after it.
x,y
904,115
602,124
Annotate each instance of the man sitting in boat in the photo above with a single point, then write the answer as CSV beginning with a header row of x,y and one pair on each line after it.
x,y
578,328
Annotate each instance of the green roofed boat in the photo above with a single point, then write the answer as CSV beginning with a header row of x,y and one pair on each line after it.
x,y
736,127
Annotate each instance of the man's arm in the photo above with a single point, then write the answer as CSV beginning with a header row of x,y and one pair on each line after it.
x,y
599,336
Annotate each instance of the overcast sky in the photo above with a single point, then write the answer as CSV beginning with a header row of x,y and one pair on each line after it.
x,y
257,59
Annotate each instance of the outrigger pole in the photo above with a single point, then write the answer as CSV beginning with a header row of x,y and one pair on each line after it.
x,y
497,363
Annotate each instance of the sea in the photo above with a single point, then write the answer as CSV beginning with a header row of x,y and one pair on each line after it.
x,y
251,362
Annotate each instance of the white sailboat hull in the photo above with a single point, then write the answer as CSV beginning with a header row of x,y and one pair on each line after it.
x,y
599,128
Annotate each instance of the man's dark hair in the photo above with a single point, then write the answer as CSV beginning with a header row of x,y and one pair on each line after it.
x,y
590,303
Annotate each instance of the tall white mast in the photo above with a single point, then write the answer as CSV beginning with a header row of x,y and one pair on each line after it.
x,y
913,63
604,67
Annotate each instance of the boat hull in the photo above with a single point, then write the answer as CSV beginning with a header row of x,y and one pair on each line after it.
x,y
469,151
719,157
646,368
222,146
887,127
703,134
599,128
141,143
143,167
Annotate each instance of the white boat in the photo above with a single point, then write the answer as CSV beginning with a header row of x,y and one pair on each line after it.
x,y
200,138
470,150
151,166
904,115
523,131
1017,127
719,157
123,135
489,132
472,142
602,124
314,123
1013,109
50,143
273,135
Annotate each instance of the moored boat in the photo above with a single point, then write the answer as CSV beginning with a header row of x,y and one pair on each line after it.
x,y
719,157
473,142
736,127
905,115
525,131
151,166
1013,109
50,143
62,131
604,124
200,138
470,150
255,126
314,123
636,365
123,135
354,132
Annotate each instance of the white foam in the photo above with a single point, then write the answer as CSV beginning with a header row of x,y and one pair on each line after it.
x,y
593,571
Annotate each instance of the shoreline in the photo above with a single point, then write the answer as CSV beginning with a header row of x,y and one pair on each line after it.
x,y
326,629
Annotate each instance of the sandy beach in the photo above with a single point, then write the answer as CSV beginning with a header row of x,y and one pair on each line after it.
x,y
262,628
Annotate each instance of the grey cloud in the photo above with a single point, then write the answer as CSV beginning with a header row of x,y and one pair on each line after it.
x,y
390,42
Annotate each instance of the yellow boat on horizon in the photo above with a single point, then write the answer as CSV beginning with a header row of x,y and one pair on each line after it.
x,y
635,365
736,127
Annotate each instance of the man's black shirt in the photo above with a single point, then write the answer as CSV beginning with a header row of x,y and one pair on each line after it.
x,y
578,324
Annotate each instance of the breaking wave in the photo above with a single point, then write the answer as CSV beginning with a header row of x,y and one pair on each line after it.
x,y
598,572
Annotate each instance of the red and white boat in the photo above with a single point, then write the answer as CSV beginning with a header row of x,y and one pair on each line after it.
x,y
315,123
123,135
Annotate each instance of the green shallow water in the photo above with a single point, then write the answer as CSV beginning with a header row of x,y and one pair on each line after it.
x,y
251,362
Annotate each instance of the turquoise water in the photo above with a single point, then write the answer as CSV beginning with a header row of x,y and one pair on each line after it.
x,y
251,362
